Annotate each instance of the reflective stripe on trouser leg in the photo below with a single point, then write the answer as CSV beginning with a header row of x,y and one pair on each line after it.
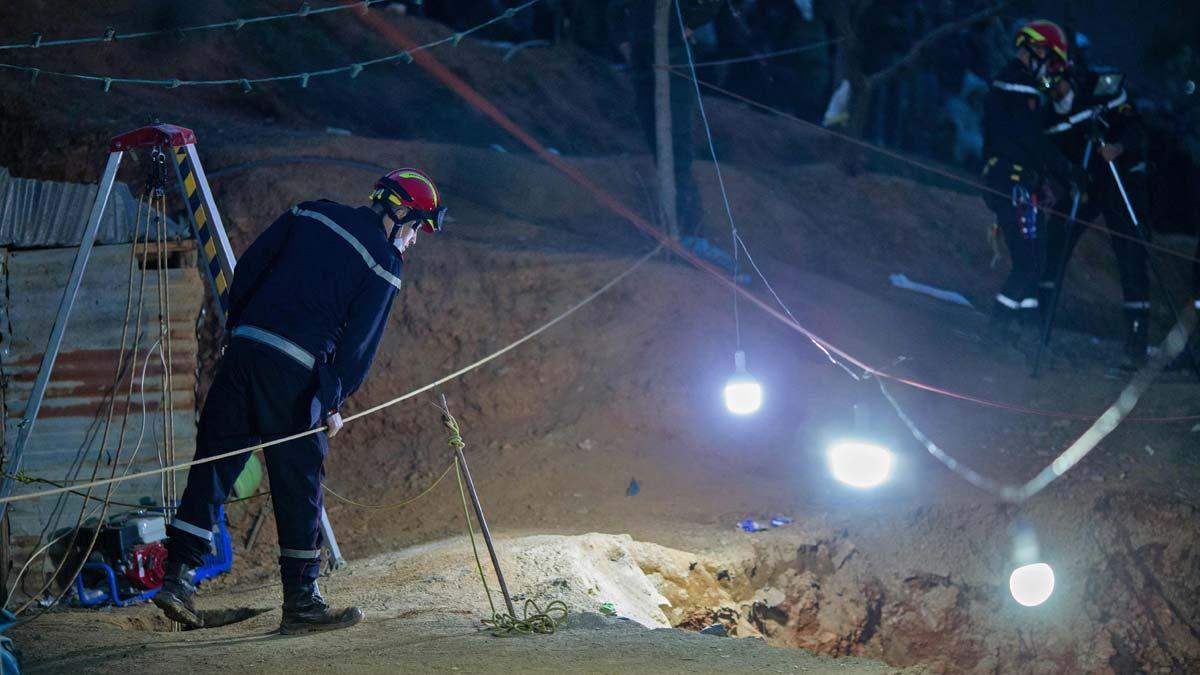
x,y
206,535
1007,301
302,555
296,469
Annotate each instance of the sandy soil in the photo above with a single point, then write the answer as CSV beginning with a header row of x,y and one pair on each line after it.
x,y
419,619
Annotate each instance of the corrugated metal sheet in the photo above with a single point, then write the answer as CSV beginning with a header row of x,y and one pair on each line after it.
x,y
75,403
39,214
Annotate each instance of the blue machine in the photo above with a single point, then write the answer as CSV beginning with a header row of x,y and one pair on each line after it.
x,y
218,562
8,660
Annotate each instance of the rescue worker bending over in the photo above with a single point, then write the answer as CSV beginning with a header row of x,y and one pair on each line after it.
x,y
1019,158
308,305
1093,104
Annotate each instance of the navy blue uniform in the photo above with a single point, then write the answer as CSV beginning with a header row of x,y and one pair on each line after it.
x,y
1019,157
308,305
1071,130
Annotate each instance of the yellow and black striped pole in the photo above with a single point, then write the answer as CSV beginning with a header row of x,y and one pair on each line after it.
x,y
213,243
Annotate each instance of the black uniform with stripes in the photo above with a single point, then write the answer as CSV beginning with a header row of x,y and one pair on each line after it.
x,y
308,305
1019,156
1113,119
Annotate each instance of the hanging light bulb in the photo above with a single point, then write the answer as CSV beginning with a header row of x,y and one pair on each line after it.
x,y
1032,582
1031,585
743,393
859,462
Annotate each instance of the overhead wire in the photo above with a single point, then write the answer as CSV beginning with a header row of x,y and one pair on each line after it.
x,y
764,56
111,35
733,232
303,77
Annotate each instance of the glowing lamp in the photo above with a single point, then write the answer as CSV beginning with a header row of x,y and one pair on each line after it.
x,y
860,464
743,393
1031,585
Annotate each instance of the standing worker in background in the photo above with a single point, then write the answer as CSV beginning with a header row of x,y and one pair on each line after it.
x,y
1091,104
1019,157
631,29
308,305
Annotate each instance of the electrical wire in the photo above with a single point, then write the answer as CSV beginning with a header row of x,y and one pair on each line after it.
x,y
1087,442
763,56
111,34
141,212
733,232
247,83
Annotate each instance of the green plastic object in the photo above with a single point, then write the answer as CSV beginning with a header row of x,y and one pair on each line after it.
x,y
608,609
249,479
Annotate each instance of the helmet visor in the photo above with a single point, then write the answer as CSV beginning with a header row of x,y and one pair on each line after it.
x,y
427,221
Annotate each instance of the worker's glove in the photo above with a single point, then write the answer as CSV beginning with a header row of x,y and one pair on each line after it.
x,y
333,424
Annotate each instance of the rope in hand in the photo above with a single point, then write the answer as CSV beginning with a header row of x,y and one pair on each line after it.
x,y
535,620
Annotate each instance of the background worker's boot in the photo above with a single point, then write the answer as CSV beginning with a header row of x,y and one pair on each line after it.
x,y
1137,335
305,611
174,598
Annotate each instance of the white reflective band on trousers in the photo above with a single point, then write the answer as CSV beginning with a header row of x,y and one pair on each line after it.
x,y
299,553
1027,303
178,524
266,337
1142,304
350,239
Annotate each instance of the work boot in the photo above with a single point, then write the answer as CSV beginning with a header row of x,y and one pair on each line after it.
x,y
174,598
305,611
1137,334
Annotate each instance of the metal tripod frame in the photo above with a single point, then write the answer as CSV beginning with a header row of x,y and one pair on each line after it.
x,y
1068,246
218,265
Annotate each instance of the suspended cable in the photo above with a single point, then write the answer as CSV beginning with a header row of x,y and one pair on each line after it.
x,y
247,83
111,34
763,56
733,233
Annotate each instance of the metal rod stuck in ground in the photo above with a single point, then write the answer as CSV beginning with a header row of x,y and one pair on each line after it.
x,y
483,526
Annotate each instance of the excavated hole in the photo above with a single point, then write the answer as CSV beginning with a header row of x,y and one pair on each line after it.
x,y
213,618
1133,609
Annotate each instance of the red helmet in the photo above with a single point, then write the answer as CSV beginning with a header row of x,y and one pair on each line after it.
x,y
1047,34
415,190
